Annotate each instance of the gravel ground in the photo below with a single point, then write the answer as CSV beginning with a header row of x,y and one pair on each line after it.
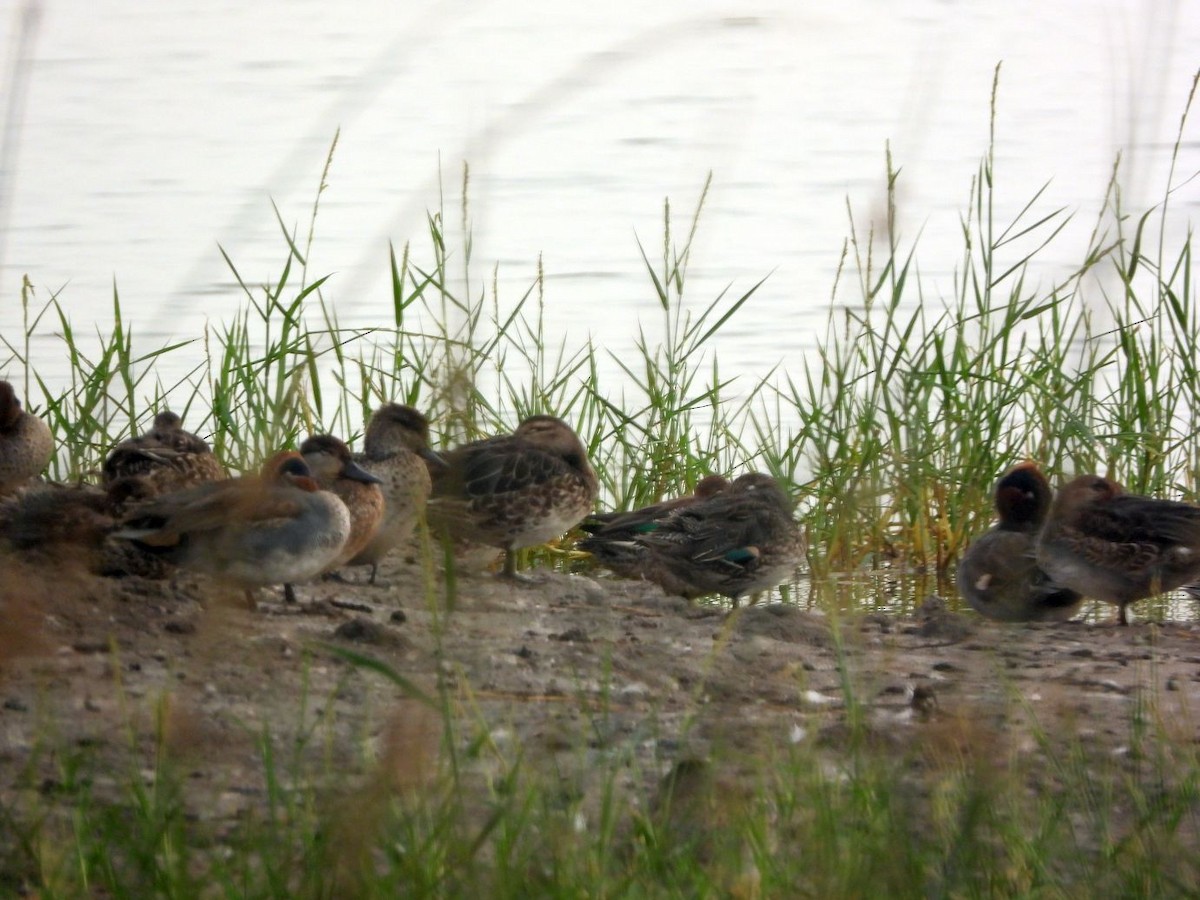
x,y
541,664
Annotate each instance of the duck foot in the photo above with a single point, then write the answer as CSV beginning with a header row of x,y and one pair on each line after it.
x,y
510,573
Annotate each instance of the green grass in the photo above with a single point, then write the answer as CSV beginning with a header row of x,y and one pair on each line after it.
x,y
891,436
891,433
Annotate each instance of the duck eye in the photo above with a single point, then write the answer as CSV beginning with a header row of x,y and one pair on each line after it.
x,y
296,467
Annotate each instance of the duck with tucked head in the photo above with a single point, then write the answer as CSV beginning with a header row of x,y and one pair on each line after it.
x,y
514,490
164,459
336,471
26,443
999,575
613,524
58,526
739,541
613,540
396,451
277,527
1118,547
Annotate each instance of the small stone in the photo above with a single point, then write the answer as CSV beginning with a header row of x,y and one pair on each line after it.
x,y
16,704
576,635
398,616
924,700
362,630
91,647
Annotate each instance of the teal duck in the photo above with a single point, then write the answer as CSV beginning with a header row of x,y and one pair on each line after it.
x,y
72,523
739,541
999,575
335,471
58,525
635,521
396,451
26,444
164,459
1118,547
615,533
514,490
277,527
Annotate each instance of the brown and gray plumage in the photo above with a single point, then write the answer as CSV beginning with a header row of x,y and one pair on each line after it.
x,y
72,523
1118,547
58,525
164,459
26,443
999,575
515,490
336,471
740,541
278,527
396,451
615,535
638,520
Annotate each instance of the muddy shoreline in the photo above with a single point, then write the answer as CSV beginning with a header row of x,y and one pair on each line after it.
x,y
567,668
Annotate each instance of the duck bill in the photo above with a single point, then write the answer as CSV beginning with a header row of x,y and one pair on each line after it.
x,y
434,457
355,472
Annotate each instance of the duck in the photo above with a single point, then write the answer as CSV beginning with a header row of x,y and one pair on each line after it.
x,y
51,523
335,470
998,575
1117,547
739,541
164,459
276,527
614,535
643,519
396,451
515,490
26,444
58,524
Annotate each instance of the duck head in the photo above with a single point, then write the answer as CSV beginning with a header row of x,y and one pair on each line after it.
x,y
289,468
1079,494
1023,498
10,406
329,459
395,427
554,436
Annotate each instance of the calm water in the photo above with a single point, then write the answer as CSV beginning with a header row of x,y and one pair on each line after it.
x,y
153,133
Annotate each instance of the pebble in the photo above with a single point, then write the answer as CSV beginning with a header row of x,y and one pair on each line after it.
x,y
362,630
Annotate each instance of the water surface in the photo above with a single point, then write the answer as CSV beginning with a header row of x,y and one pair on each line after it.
x,y
153,134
